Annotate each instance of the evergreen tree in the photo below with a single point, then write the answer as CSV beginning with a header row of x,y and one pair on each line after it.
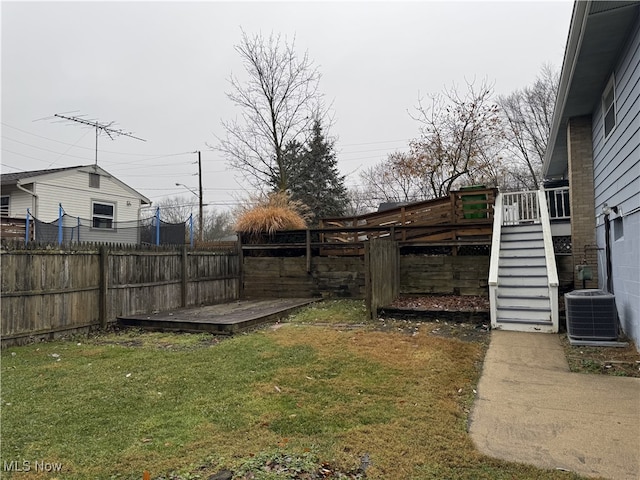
x,y
313,174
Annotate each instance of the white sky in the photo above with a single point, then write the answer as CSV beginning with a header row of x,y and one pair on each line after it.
x,y
160,70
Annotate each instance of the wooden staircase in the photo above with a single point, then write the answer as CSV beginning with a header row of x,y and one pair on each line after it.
x,y
523,278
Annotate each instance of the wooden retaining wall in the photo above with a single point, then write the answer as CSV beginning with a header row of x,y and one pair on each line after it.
x,y
282,277
457,275
48,292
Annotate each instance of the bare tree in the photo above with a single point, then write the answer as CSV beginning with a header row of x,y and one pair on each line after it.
x,y
527,115
176,209
359,202
457,133
279,100
395,179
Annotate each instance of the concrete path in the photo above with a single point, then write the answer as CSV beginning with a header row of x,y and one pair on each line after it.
x,y
531,409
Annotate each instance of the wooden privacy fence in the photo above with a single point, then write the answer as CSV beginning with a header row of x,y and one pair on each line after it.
x,y
50,291
382,274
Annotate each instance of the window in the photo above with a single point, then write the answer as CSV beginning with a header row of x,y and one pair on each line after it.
x,y
4,206
94,180
103,215
609,107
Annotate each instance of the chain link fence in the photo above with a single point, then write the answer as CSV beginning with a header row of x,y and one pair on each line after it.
x,y
146,231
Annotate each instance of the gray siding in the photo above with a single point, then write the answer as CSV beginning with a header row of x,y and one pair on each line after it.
x,y
617,183
617,159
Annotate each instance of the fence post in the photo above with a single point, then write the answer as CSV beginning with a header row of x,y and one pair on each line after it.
x,y
103,285
368,295
308,241
60,214
158,226
454,213
26,229
240,266
183,289
191,230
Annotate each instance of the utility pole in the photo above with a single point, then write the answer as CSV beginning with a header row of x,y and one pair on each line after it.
x,y
105,127
200,182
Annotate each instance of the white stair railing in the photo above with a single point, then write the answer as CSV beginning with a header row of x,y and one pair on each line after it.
x,y
495,259
520,207
550,257
558,202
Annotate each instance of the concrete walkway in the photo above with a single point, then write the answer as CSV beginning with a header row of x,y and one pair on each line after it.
x,y
531,409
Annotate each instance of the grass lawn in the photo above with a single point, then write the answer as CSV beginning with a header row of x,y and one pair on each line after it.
x,y
299,401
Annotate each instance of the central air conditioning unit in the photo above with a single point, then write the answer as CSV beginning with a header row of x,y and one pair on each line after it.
x,y
591,315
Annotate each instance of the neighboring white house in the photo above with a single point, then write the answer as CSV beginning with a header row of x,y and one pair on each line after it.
x,y
595,144
98,206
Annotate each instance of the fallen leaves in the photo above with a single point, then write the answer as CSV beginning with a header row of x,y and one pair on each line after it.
x,y
450,303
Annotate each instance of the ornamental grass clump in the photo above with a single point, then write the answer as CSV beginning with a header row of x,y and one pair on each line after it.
x,y
272,213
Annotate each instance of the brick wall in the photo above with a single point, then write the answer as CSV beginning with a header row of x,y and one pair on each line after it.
x,y
583,223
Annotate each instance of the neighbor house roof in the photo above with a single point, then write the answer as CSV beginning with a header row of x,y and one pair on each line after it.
x,y
597,34
16,178
13,178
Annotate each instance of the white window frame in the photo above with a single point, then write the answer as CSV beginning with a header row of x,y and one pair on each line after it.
x,y
101,216
610,88
5,209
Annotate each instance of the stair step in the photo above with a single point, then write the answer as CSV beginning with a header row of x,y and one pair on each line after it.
x,y
521,281
521,252
522,301
524,245
524,239
525,313
536,227
520,291
522,261
525,271
520,321
531,269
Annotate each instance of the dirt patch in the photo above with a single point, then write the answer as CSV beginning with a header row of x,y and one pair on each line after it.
x,y
476,332
467,318
617,361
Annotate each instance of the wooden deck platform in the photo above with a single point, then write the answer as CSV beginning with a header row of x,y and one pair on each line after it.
x,y
226,318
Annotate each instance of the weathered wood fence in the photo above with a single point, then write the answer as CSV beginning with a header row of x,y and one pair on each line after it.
x,y
45,292
382,267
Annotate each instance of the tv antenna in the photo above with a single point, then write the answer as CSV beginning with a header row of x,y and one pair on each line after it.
x,y
107,128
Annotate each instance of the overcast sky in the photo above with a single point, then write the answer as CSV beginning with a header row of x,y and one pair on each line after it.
x,y
160,70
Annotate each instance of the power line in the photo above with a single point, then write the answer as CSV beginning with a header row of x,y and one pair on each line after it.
x,y
43,149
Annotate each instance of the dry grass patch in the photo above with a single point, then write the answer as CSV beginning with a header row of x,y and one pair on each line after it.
x,y
185,408
418,406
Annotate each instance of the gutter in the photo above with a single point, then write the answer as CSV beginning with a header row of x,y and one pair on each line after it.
x,y
574,41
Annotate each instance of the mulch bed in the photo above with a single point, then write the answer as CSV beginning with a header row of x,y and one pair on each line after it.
x,y
449,308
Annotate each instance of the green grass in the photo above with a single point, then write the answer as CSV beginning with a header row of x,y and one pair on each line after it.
x,y
272,402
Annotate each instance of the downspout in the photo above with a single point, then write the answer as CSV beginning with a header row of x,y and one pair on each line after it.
x,y
34,199
607,240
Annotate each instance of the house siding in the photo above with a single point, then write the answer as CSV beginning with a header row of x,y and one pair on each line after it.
x,y
617,159
617,183
72,190
19,201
